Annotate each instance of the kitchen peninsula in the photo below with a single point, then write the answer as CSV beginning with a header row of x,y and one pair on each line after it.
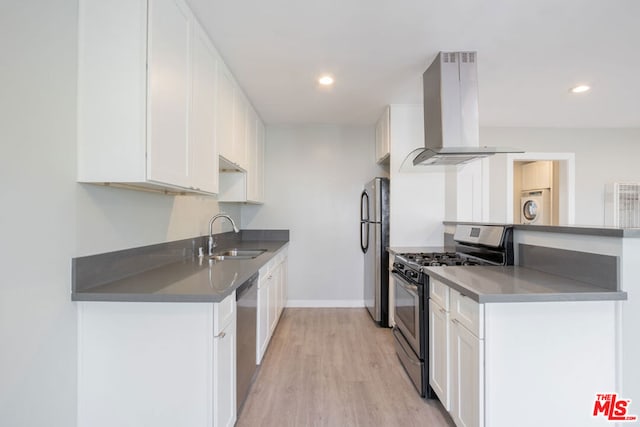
x,y
560,322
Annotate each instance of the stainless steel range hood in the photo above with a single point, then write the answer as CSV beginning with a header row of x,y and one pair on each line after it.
x,y
451,127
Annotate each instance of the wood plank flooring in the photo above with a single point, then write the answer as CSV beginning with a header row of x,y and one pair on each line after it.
x,y
334,367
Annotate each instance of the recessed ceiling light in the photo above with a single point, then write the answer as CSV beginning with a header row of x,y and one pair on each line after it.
x,y
325,80
580,89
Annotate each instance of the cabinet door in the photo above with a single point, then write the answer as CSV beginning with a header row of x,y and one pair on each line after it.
x,y
439,293
439,352
240,110
382,136
224,376
386,140
378,140
168,92
537,175
203,171
284,276
259,167
251,154
273,300
262,334
467,404
469,313
277,277
281,288
224,112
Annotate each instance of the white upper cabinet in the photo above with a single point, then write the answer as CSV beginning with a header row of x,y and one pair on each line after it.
x,y
203,162
224,112
383,147
244,182
240,124
251,152
145,96
259,165
168,93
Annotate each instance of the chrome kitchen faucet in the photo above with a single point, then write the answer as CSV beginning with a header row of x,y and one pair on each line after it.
x,y
212,242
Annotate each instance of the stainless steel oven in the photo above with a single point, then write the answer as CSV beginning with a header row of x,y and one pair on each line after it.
x,y
410,327
407,310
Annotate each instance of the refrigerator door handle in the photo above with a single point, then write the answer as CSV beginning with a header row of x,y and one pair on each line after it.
x,y
364,236
364,206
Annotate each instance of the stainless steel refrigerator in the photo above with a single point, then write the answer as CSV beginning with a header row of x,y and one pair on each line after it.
x,y
374,239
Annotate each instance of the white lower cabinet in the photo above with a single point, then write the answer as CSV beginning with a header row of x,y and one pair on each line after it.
x,y
456,371
156,364
272,297
467,376
497,364
224,363
263,333
466,360
274,284
439,352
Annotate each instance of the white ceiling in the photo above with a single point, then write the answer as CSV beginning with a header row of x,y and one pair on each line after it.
x,y
529,54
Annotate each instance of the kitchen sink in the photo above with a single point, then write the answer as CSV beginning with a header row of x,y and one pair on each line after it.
x,y
237,254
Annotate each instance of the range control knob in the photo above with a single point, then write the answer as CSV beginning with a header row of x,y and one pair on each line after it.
x,y
398,266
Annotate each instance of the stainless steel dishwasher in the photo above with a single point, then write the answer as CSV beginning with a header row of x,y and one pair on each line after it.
x,y
247,310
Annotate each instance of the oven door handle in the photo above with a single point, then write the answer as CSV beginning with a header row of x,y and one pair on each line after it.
x,y
408,286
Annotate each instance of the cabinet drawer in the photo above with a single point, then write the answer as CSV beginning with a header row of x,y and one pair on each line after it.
x,y
439,293
468,313
223,313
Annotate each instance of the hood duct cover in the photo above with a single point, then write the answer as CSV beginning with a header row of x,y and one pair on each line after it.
x,y
451,126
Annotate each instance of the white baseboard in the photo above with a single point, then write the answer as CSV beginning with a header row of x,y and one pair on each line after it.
x,y
327,303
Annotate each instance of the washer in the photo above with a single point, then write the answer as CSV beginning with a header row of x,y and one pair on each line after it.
x,y
535,207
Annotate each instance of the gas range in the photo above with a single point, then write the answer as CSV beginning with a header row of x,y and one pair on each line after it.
x,y
435,259
410,265
474,245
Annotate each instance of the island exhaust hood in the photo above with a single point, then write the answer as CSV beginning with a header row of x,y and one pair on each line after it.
x,y
451,126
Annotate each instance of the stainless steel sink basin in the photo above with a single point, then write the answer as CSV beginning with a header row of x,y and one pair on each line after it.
x,y
237,254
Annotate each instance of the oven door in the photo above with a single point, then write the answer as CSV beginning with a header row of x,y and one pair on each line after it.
x,y
407,311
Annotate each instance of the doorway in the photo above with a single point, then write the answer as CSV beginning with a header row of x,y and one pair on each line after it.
x,y
549,178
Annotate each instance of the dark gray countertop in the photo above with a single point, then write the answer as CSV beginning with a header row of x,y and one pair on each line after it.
x,y
566,229
487,284
191,279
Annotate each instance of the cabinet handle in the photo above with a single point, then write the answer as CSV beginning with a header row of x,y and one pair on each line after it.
x,y
455,321
270,276
220,335
443,311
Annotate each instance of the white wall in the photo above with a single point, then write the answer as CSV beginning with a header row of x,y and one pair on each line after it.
x,y
601,156
314,176
47,218
417,194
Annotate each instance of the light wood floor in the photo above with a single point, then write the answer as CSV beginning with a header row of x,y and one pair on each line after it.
x,y
334,367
